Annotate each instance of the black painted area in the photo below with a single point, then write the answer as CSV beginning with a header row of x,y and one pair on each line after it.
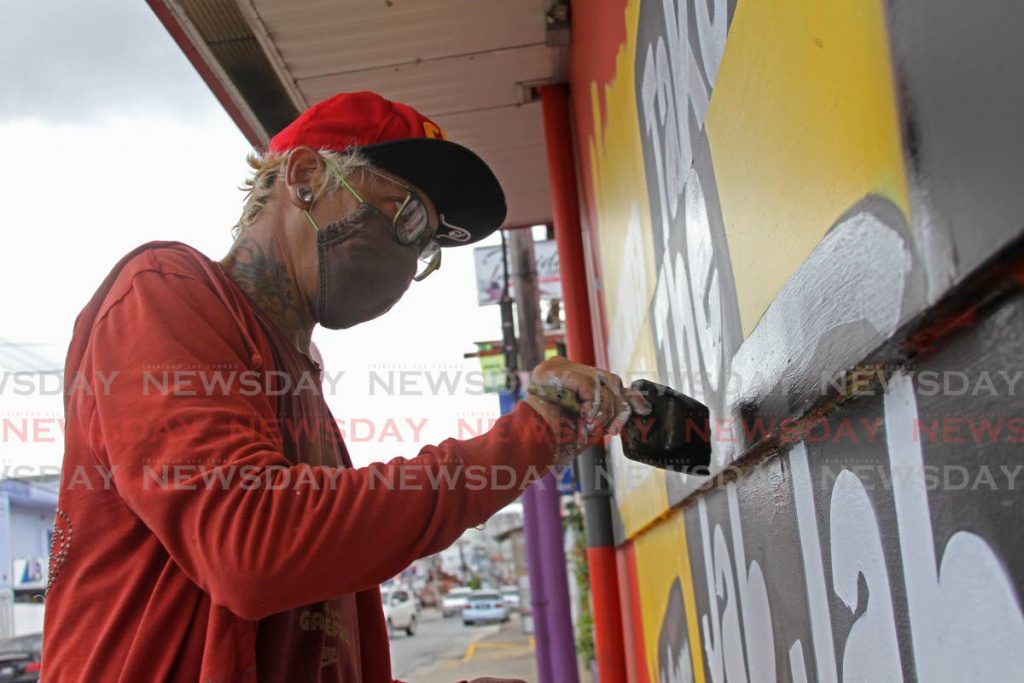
x,y
771,538
960,69
979,431
854,443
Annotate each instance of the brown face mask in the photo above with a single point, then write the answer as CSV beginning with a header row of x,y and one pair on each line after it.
x,y
363,270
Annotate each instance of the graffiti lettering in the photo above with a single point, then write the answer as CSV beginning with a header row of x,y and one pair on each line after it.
x,y
711,33
757,617
672,87
673,316
744,593
872,651
974,597
704,279
967,592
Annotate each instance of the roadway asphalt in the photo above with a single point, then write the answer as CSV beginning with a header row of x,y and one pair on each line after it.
x,y
437,640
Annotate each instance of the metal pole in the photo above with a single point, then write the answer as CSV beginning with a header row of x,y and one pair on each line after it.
x,y
531,531
538,598
509,344
594,483
542,502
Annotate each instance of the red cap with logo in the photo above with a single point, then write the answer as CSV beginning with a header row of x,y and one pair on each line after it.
x,y
398,139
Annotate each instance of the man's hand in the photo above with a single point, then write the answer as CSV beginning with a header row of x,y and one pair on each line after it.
x,y
605,404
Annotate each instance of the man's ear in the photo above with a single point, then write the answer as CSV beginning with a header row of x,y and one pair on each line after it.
x,y
302,170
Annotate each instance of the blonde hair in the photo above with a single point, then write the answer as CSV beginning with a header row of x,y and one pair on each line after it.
x,y
268,168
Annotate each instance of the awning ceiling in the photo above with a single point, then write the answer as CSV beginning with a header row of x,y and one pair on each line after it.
x,y
467,64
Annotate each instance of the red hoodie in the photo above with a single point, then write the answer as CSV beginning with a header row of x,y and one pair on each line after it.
x,y
210,525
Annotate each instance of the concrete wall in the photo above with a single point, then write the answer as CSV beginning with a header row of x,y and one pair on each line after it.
x,y
809,216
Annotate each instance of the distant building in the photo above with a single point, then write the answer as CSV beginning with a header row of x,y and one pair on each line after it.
x,y
484,552
31,445
26,532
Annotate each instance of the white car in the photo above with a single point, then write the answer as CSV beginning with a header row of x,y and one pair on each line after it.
x,y
400,610
484,606
455,601
510,594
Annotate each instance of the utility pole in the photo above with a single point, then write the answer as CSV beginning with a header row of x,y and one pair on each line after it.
x,y
549,584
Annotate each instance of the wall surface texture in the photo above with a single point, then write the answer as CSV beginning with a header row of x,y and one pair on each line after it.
x,y
809,215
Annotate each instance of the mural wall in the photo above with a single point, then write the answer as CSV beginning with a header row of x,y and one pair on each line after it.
x,y
787,207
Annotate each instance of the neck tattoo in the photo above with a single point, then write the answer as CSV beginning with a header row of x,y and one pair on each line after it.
x,y
267,282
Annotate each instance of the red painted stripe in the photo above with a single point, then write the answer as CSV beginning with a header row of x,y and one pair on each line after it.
x,y
604,589
568,233
633,631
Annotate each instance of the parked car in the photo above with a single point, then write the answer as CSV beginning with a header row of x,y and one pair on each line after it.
x,y
455,601
400,610
510,594
428,596
484,606
19,658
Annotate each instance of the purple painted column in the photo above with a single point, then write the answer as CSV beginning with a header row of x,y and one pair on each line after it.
x,y
558,615
533,568
538,597
556,640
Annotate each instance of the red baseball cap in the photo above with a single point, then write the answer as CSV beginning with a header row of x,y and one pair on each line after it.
x,y
398,139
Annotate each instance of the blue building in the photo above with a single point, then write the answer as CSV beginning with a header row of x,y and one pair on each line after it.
x,y
28,489
26,532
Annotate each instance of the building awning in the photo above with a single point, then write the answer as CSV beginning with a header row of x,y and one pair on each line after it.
x,y
470,65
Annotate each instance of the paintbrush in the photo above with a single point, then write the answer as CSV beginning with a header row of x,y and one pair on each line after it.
x,y
675,436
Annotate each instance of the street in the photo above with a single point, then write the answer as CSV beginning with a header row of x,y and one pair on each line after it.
x,y
436,639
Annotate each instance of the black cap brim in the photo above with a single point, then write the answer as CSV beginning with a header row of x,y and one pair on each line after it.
x,y
461,185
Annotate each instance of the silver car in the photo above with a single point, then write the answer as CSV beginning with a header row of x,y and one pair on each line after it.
x,y
485,606
510,594
455,601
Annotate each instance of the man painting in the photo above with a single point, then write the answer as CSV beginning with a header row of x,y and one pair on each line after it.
x,y
227,536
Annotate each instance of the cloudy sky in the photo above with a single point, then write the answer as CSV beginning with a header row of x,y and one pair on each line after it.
x,y
112,140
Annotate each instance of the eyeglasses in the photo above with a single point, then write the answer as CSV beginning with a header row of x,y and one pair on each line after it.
x,y
411,222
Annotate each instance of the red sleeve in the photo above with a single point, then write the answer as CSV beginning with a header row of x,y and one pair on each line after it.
x,y
204,482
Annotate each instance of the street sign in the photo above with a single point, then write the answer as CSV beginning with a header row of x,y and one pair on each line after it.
x,y
490,274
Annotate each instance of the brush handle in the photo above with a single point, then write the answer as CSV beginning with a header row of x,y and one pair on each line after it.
x,y
675,436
